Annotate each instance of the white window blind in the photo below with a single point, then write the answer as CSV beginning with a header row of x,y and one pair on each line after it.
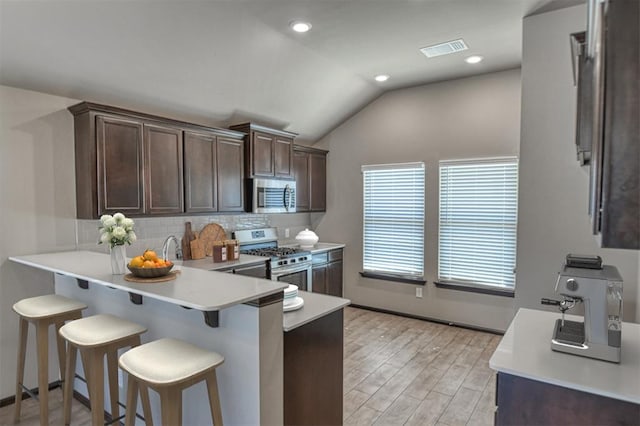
x,y
394,219
478,218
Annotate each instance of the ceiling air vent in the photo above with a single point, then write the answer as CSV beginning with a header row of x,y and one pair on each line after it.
x,y
444,48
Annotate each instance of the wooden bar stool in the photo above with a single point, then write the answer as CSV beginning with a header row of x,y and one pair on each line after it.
x,y
168,366
42,311
95,337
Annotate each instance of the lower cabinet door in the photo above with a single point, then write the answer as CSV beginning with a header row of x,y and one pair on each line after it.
x,y
319,279
334,278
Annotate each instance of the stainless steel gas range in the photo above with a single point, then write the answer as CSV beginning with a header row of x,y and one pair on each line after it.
x,y
290,265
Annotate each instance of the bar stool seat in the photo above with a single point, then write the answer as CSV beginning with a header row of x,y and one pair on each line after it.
x,y
100,329
95,337
46,306
169,366
42,311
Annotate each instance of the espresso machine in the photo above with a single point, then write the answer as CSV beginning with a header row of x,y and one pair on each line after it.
x,y
583,279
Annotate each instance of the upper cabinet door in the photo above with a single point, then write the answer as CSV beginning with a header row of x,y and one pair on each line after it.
x,y
200,170
230,175
120,166
163,169
318,177
262,154
301,175
283,157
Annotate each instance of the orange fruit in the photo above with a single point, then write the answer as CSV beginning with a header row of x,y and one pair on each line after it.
x,y
148,264
137,262
150,255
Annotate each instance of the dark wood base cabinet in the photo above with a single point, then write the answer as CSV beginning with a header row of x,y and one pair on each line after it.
x,y
523,401
327,273
313,356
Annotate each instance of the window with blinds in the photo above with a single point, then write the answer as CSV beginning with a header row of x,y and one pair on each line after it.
x,y
394,220
478,222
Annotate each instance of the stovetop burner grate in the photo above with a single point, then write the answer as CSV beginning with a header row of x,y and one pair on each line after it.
x,y
274,251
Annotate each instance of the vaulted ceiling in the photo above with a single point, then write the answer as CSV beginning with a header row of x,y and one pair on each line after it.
x,y
224,62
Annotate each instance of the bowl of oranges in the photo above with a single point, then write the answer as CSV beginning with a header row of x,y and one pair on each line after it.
x,y
149,265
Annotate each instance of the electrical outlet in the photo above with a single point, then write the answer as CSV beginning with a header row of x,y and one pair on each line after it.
x,y
286,232
419,292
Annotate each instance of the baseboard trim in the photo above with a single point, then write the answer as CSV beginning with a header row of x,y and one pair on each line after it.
x,y
419,317
12,399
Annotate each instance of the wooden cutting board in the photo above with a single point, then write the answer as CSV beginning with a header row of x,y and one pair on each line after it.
x,y
209,234
197,248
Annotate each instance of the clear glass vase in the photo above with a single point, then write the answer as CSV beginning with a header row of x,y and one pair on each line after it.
x,y
118,260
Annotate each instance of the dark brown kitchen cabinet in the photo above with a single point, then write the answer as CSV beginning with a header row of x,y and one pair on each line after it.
x,y
319,279
200,172
608,129
213,173
118,186
523,401
268,152
134,163
301,175
327,272
310,171
163,169
230,175
257,271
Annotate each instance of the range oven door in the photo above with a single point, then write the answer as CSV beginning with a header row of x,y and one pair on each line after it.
x,y
297,275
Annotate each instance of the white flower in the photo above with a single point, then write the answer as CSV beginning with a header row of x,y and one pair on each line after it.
x,y
116,230
119,217
105,217
119,232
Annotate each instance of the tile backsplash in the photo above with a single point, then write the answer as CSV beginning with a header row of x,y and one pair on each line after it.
x,y
151,232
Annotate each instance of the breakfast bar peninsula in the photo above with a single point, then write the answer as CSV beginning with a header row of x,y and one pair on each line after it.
x,y
237,316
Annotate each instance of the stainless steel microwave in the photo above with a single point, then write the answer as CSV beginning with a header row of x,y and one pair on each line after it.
x,y
273,196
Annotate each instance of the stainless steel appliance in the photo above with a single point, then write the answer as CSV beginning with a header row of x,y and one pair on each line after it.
x,y
290,265
584,279
272,196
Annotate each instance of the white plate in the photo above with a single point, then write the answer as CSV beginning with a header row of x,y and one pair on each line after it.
x,y
296,303
291,289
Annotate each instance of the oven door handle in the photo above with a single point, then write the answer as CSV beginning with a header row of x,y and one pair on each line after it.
x,y
290,270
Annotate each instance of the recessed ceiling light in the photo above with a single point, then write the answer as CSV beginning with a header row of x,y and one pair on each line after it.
x,y
474,59
300,27
382,77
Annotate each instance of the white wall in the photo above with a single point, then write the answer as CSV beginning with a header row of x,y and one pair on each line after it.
x,y
466,118
553,218
37,208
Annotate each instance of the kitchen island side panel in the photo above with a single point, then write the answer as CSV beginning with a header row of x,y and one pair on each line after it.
x,y
313,372
237,339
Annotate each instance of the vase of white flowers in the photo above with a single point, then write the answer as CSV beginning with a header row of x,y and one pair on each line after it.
x,y
117,230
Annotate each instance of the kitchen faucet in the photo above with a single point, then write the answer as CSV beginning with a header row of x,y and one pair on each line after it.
x,y
165,247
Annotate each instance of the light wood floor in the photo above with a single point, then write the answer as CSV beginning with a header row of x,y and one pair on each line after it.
x,y
397,371
80,416
402,371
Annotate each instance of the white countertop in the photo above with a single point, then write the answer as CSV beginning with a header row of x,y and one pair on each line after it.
x,y
208,264
315,306
525,351
317,248
193,288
